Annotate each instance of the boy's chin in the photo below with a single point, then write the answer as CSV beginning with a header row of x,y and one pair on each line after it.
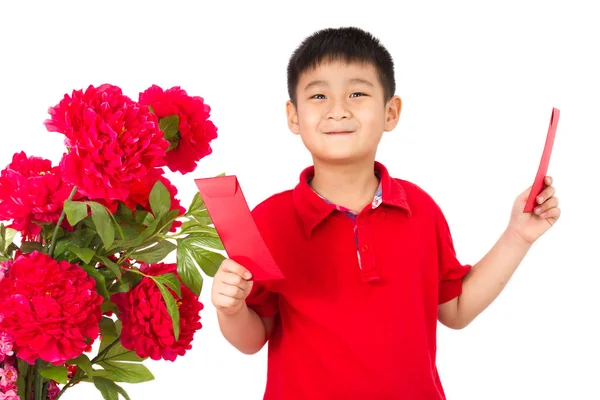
x,y
339,158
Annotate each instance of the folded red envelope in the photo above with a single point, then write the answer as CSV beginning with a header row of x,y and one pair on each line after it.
x,y
233,221
538,183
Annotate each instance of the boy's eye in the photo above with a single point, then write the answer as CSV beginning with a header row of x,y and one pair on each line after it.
x,y
318,96
357,94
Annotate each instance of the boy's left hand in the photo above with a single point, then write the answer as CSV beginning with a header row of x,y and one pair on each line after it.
x,y
530,226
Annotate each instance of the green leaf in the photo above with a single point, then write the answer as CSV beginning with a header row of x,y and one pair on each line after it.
x,y
126,372
155,253
187,269
107,327
9,236
75,211
104,343
28,247
148,232
131,232
83,237
171,281
193,227
202,217
107,388
208,240
100,281
209,261
110,265
172,308
122,392
124,213
160,200
58,374
85,254
84,363
119,353
197,204
169,126
103,223
140,216
193,246
108,305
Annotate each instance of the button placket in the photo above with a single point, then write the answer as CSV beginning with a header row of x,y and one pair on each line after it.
x,y
365,241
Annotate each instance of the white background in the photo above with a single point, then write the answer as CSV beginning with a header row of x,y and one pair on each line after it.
x,y
478,82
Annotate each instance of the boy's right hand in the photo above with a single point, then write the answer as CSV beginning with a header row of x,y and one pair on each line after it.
x,y
231,286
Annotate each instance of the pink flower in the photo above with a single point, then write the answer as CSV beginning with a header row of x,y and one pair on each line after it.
x,y
53,390
112,141
9,395
8,375
50,308
6,344
195,130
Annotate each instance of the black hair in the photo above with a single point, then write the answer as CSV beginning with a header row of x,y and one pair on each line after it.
x,y
347,44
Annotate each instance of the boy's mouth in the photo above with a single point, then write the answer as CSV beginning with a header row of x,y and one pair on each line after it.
x,y
338,132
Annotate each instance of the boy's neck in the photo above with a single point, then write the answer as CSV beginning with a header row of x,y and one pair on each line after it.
x,y
352,186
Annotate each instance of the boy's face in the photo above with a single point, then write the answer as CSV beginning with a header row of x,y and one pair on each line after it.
x,y
340,112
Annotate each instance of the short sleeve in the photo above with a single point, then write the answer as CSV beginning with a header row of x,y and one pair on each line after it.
x,y
451,271
262,300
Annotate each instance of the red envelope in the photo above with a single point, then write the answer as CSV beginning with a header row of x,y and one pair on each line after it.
x,y
233,221
538,183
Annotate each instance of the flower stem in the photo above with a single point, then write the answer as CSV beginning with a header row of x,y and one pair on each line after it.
x,y
29,385
45,391
38,382
59,223
106,349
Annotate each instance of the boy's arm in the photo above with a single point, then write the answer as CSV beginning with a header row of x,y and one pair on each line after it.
x,y
489,276
246,330
241,326
484,282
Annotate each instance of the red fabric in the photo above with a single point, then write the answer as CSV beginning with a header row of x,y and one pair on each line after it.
x,y
343,332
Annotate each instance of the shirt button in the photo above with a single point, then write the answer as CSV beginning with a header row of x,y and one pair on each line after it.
x,y
365,248
383,213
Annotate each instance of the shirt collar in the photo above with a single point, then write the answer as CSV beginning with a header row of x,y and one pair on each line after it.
x,y
312,209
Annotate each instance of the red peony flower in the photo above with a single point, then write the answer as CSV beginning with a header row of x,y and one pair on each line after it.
x,y
192,141
32,192
112,141
147,326
50,308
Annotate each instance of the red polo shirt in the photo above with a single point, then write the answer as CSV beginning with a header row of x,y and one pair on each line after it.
x,y
350,331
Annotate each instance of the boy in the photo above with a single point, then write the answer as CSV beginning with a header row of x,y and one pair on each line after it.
x,y
369,262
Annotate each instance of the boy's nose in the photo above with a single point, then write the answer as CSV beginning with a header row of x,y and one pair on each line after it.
x,y
338,111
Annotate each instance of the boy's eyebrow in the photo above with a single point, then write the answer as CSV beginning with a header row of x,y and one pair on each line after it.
x,y
315,83
324,83
363,81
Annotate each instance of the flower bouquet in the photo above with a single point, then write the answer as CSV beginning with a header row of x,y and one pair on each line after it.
x,y
82,256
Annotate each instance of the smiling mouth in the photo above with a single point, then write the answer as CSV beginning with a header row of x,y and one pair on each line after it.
x,y
338,132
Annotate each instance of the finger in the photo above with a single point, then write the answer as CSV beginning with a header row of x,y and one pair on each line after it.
x,y
548,180
232,291
546,194
235,268
551,213
548,204
235,280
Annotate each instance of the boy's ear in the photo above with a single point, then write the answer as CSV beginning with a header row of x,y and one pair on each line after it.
x,y
392,113
292,117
